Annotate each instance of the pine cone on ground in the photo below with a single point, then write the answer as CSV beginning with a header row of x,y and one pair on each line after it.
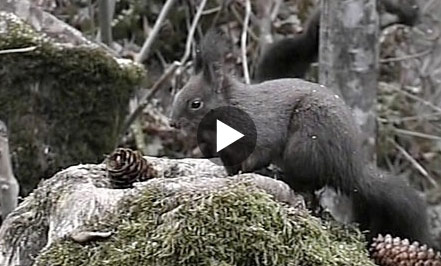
x,y
388,251
126,166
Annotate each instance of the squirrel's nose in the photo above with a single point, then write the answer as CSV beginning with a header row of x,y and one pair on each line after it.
x,y
173,123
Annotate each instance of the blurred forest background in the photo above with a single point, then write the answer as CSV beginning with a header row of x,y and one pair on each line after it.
x,y
409,89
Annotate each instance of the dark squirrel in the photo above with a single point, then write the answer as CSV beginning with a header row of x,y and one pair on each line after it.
x,y
307,131
292,57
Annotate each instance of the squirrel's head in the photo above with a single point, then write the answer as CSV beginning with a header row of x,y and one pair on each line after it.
x,y
207,88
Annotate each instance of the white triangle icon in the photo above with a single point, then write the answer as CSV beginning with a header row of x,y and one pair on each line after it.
x,y
225,135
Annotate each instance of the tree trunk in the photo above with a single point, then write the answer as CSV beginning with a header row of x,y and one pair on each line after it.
x,y
58,92
105,21
348,60
8,184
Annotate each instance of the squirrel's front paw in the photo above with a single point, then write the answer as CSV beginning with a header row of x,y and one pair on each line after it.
x,y
233,169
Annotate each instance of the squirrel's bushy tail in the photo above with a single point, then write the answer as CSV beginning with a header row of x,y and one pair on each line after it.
x,y
291,57
388,205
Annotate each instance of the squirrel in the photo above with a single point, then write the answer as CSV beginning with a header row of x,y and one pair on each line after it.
x,y
292,57
309,133
406,11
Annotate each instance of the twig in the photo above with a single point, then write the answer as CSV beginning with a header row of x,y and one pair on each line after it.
x,y
265,23
244,41
91,10
428,117
419,99
238,18
105,19
212,10
112,4
142,55
414,162
406,57
416,98
18,50
9,188
161,59
192,30
275,10
168,73
416,134
218,15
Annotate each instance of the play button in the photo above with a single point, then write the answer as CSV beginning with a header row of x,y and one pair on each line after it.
x,y
229,133
225,135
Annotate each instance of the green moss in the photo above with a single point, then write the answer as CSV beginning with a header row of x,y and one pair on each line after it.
x,y
63,104
239,225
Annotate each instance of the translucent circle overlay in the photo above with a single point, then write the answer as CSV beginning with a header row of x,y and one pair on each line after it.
x,y
238,151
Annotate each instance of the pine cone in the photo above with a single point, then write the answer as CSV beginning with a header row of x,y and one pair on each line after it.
x,y
126,166
388,251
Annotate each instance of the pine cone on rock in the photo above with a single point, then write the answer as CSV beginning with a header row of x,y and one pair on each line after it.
x,y
388,251
126,166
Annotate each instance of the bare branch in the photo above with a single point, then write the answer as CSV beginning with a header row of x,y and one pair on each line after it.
x,y
413,97
105,19
416,134
419,99
275,10
192,30
244,41
141,56
91,11
146,99
407,57
414,163
149,41
239,19
265,22
18,50
427,117
168,73
8,184
212,10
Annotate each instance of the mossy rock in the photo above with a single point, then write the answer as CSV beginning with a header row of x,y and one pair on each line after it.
x,y
63,104
235,225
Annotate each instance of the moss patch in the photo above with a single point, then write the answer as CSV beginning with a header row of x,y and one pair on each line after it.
x,y
63,105
239,225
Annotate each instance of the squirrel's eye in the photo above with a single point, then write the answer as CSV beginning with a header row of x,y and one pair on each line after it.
x,y
196,104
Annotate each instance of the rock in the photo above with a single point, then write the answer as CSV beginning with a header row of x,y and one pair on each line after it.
x,y
190,213
63,103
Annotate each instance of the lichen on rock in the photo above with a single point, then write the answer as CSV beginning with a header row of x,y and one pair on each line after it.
x,y
64,104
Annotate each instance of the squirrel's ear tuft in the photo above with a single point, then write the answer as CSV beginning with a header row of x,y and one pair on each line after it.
x,y
210,57
211,49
